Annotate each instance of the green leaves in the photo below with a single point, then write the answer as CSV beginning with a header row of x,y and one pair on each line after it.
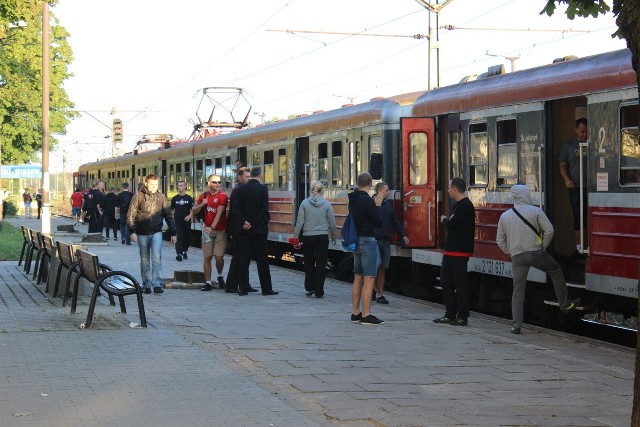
x,y
581,8
21,79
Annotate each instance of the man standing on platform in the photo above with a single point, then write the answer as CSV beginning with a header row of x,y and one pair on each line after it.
x,y
76,205
145,218
124,200
458,247
251,202
92,203
214,238
181,205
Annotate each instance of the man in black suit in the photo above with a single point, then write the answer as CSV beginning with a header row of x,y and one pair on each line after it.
x,y
251,203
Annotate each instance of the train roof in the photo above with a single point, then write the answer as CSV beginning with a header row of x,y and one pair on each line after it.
x,y
571,78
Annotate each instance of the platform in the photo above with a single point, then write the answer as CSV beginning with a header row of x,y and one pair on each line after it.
x,y
217,359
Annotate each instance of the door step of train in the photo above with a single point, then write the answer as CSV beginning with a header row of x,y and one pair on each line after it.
x,y
577,285
583,308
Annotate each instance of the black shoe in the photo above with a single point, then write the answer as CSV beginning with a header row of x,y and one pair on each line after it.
x,y
243,293
123,241
319,295
115,239
128,244
515,330
382,300
178,257
371,320
309,293
221,283
267,293
355,318
252,289
569,308
184,255
206,288
458,322
158,290
147,290
443,319
231,291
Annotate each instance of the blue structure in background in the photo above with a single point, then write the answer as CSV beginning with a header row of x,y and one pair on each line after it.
x,y
21,171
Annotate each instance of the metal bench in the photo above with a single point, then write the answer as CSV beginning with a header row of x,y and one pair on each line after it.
x,y
48,253
117,283
36,238
26,245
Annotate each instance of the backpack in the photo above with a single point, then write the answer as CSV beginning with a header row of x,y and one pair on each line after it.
x,y
200,215
125,200
349,235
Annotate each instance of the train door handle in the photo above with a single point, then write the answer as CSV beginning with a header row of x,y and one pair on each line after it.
x,y
412,191
429,221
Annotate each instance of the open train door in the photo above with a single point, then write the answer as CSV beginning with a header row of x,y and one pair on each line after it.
x,y
419,181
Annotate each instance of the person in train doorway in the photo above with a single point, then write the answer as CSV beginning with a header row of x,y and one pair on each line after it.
x,y
315,222
181,205
145,218
243,175
214,221
383,237
458,247
524,233
124,200
251,202
92,202
39,202
366,214
570,171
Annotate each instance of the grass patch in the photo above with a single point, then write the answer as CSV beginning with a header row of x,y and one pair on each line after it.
x,y
11,240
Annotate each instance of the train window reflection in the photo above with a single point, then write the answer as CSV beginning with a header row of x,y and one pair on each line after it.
x,y
268,168
255,158
336,163
507,153
478,175
418,158
629,146
282,168
323,166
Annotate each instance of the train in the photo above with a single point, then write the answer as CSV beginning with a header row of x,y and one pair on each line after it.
x,y
494,131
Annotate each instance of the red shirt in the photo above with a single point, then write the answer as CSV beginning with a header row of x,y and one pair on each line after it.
x,y
215,202
76,200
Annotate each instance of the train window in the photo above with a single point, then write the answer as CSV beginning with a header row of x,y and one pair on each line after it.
x,y
172,179
144,172
375,156
228,172
507,153
255,158
282,168
418,158
336,163
455,142
198,185
268,168
217,166
629,146
187,174
478,175
323,166
358,157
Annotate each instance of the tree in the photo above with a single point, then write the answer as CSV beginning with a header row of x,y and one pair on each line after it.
x,y
21,80
627,14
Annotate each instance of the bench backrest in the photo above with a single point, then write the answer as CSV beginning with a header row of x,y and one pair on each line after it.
x,y
49,244
89,265
36,239
66,255
26,233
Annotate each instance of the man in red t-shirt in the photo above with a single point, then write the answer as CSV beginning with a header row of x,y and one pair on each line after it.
x,y
77,200
214,238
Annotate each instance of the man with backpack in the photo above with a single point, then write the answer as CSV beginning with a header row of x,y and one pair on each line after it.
x,y
366,215
524,233
124,200
214,221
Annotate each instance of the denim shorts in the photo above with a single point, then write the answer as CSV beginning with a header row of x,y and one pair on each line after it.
x,y
366,257
384,246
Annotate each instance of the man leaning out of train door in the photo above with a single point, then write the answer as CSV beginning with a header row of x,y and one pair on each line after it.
x,y
524,233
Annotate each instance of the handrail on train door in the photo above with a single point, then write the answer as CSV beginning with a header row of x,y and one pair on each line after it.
x,y
540,186
581,147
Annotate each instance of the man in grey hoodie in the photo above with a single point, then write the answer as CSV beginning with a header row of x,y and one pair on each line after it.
x,y
525,233
315,220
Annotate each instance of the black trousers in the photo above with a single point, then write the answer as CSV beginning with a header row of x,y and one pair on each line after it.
x,y
94,220
456,286
111,223
315,250
251,245
232,273
183,235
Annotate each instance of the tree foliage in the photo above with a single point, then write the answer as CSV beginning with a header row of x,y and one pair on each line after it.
x,y
21,79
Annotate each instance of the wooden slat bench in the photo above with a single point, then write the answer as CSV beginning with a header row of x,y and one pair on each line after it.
x,y
117,283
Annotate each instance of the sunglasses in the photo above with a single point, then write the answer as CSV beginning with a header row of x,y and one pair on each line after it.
x,y
214,182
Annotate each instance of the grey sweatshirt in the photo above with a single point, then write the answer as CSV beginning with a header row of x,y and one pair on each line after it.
x,y
514,236
315,217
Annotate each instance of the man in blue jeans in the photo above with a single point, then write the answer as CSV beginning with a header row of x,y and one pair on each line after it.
x,y
145,217
366,214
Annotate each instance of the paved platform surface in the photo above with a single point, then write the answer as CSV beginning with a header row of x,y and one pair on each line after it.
x,y
216,359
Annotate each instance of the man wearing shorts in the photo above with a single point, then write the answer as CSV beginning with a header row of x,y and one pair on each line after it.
x,y
366,213
214,238
77,200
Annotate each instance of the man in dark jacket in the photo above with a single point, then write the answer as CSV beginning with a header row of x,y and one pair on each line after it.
x,y
458,247
250,202
145,217
124,200
109,203
366,214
